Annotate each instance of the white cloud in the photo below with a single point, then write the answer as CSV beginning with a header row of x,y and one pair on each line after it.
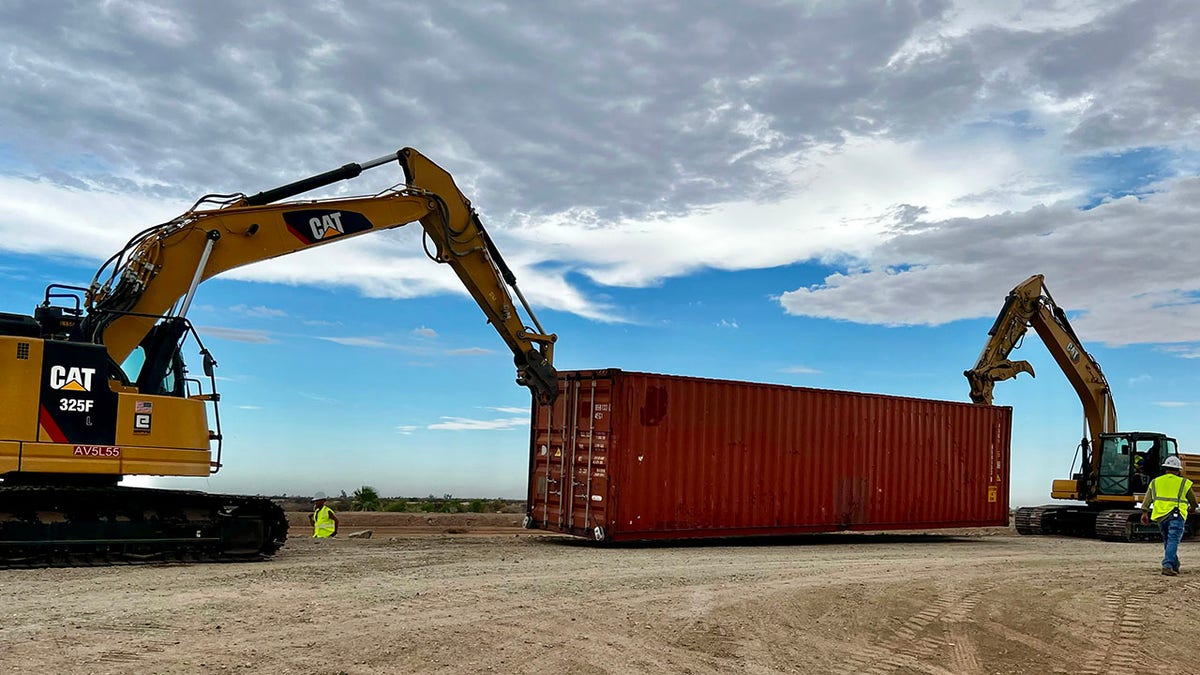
x,y
934,272
40,216
370,342
232,378
1183,352
465,424
406,429
424,332
236,334
801,370
258,311
850,198
727,323
157,24
1172,404
512,410
468,351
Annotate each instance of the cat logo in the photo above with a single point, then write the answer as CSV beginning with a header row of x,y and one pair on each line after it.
x,y
71,379
313,226
327,226
1073,352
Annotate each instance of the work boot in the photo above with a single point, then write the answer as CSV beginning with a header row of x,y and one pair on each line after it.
x,y
1169,572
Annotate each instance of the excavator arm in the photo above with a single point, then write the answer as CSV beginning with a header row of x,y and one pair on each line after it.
x,y
151,282
1030,304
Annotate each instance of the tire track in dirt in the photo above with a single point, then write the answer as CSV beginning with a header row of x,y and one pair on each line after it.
x,y
1117,653
964,657
1037,645
909,647
697,638
1125,614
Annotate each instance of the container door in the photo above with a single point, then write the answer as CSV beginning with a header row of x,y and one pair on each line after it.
x,y
547,461
569,464
592,401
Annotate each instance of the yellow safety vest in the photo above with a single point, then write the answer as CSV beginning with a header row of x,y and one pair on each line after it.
x,y
323,525
1170,493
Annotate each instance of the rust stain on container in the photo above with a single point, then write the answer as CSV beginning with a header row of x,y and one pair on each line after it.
x,y
626,456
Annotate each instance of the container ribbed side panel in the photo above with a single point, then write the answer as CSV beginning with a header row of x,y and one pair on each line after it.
x,y
646,456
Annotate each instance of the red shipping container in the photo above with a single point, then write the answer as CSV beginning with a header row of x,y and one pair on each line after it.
x,y
624,456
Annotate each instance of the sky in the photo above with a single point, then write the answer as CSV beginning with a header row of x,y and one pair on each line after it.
x,y
820,194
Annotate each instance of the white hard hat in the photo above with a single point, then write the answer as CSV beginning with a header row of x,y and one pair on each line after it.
x,y
1172,462
319,496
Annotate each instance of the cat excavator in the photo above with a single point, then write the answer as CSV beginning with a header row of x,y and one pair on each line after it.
x,y
1115,466
94,386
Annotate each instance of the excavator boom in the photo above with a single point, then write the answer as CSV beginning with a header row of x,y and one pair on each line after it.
x,y
161,267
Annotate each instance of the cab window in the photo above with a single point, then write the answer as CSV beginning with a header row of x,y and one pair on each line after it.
x,y
171,384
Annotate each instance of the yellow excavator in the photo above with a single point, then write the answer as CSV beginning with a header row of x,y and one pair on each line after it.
x,y
94,386
1115,466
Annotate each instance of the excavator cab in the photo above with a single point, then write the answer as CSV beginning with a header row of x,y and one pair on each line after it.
x,y
1129,461
1125,463
155,367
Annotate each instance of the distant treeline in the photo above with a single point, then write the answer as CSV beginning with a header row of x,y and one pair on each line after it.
x,y
367,498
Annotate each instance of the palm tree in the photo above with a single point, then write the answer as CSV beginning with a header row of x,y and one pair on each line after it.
x,y
366,498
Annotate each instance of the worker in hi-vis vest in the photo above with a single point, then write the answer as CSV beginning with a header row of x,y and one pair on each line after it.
x,y
1167,503
325,523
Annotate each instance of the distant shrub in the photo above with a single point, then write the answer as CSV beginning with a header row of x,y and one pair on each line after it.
x,y
366,498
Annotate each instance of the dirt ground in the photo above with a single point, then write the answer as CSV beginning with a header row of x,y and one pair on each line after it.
x,y
475,594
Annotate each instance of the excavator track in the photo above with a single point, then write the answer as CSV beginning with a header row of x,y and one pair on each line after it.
x,y
54,526
1036,519
1071,521
1125,525
1118,524
1109,525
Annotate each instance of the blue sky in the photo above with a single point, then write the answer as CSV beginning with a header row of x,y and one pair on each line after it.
x,y
819,194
